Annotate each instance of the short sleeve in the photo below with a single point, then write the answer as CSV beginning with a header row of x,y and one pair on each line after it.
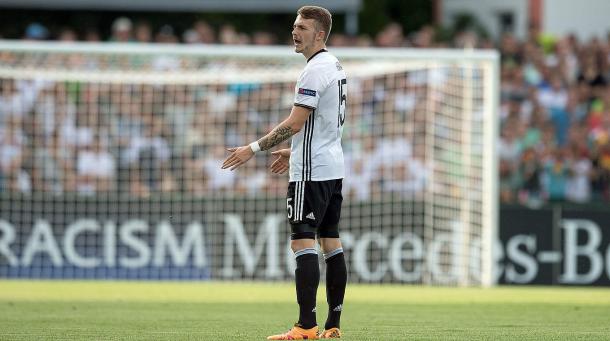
x,y
309,87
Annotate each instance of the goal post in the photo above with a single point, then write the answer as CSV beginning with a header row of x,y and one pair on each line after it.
x,y
111,159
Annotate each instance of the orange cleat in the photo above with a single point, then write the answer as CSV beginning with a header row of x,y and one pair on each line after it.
x,y
332,333
297,333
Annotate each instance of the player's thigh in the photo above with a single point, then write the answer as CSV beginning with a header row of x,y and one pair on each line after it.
x,y
329,226
314,207
298,201
307,201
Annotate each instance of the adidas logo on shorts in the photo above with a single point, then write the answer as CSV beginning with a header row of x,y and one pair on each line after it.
x,y
310,216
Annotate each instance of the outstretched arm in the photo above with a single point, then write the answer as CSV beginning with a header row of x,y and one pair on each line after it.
x,y
290,126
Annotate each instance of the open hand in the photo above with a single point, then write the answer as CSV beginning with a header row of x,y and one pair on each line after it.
x,y
282,163
239,156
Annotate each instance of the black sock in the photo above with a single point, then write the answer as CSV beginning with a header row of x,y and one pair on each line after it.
x,y
336,280
307,277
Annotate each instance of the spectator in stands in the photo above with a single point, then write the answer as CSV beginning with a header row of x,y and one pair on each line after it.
x,y
53,165
17,98
530,132
194,175
143,32
92,35
510,52
555,174
409,178
358,183
191,36
44,112
263,38
390,36
122,30
36,31
228,35
67,34
600,175
566,61
553,95
578,187
257,180
82,134
13,153
64,112
220,101
205,32
561,118
178,114
339,40
218,180
148,157
95,168
166,35
166,62
509,150
126,114
423,38
363,40
529,173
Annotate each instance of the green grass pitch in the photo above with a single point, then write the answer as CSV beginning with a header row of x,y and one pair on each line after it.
x,y
99,310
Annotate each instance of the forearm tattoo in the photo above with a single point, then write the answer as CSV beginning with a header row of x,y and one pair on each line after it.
x,y
277,136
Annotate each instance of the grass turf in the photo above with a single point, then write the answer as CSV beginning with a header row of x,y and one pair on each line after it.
x,y
81,310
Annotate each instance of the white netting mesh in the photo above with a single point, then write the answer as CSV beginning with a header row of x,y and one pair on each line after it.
x,y
110,163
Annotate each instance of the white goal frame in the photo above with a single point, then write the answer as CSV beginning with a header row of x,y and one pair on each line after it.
x,y
488,60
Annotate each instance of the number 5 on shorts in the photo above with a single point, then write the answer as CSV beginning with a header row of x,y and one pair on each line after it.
x,y
289,207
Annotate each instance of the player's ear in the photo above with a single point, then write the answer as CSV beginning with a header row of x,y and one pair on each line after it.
x,y
321,35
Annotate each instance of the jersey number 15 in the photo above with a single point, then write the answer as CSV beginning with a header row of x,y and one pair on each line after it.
x,y
342,101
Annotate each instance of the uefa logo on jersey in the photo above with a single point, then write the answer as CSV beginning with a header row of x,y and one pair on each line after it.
x,y
307,92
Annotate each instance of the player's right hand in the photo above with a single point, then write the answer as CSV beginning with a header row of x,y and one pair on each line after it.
x,y
239,156
282,163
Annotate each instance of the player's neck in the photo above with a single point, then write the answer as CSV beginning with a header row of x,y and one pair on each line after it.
x,y
313,51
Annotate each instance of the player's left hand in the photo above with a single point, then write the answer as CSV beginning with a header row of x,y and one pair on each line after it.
x,y
239,156
282,163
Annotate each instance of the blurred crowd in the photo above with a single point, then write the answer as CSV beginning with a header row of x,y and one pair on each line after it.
x,y
554,142
142,139
555,119
123,29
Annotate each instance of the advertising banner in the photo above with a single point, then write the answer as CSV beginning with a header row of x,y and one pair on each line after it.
x,y
248,238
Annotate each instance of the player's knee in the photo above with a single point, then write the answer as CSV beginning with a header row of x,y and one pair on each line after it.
x,y
329,244
300,244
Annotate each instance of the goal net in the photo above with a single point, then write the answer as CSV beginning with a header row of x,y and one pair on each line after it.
x,y
110,162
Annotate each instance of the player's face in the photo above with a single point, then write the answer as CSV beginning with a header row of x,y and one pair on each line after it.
x,y
304,35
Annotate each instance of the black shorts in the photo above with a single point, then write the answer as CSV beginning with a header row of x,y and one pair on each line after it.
x,y
314,207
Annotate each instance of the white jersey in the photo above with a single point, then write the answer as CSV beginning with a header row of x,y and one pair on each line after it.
x,y
316,152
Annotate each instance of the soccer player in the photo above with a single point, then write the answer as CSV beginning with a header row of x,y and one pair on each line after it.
x,y
315,161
